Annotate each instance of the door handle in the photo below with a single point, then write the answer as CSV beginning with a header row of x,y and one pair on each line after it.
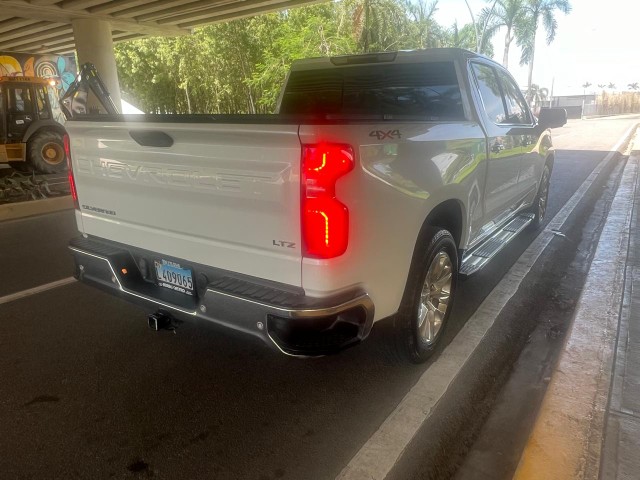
x,y
151,138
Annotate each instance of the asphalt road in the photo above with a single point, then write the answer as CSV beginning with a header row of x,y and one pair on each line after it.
x,y
88,391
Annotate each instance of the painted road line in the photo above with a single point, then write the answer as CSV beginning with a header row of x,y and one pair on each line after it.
x,y
566,441
35,290
380,453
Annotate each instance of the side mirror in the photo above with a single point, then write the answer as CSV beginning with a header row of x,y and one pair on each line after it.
x,y
552,117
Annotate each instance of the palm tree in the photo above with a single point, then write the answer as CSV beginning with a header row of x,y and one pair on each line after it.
x,y
537,11
585,85
457,37
505,13
602,85
377,24
484,27
634,86
427,29
538,95
611,86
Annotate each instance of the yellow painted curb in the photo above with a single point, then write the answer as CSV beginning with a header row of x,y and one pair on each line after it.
x,y
11,211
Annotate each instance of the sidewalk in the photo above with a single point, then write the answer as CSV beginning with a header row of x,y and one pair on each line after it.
x,y
588,426
13,211
621,449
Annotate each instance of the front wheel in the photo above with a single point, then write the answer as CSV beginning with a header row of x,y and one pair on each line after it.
x,y
46,152
428,298
539,207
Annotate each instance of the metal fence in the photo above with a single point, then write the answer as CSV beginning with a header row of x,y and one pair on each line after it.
x,y
607,103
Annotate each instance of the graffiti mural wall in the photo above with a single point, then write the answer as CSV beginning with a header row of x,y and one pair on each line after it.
x,y
61,68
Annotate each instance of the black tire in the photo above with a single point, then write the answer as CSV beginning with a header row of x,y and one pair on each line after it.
x,y
22,167
406,342
541,202
45,152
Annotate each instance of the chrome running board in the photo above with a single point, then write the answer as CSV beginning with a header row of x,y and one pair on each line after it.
x,y
481,255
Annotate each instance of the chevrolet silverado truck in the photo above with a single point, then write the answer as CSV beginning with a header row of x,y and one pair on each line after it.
x,y
381,181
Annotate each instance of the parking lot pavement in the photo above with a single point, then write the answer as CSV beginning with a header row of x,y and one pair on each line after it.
x,y
33,250
88,391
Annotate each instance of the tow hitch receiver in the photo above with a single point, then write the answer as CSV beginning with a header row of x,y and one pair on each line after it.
x,y
160,320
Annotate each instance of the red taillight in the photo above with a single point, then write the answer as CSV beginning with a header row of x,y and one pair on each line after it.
x,y
72,181
325,220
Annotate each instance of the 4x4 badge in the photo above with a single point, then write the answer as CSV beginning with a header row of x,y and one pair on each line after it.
x,y
381,134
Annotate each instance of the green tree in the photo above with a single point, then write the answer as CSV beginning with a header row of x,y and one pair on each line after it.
x,y
509,14
426,32
538,12
231,67
538,95
634,86
316,31
461,38
241,65
379,25
464,37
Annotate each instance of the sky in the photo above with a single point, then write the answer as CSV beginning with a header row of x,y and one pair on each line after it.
x,y
596,42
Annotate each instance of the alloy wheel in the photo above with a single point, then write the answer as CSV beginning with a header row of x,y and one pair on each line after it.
x,y
434,299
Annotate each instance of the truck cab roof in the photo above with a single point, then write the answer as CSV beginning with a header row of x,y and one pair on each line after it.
x,y
400,56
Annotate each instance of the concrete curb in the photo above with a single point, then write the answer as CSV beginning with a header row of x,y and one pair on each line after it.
x,y
567,438
592,117
12,211
403,439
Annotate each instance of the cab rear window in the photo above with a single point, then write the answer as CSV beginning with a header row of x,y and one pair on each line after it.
x,y
427,89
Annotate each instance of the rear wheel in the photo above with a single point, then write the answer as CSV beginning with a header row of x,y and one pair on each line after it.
x,y
428,298
46,152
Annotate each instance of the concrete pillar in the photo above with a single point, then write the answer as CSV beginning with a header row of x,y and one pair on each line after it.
x,y
94,44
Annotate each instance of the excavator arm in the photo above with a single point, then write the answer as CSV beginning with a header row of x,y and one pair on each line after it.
x,y
74,101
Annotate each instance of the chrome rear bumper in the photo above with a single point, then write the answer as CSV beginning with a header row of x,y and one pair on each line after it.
x,y
281,316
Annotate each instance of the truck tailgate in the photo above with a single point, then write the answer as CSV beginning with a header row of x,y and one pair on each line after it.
x,y
222,195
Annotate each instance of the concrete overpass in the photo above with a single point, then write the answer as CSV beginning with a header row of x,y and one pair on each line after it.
x,y
90,27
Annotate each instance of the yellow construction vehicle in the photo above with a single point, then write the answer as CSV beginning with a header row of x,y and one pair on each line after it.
x,y
31,134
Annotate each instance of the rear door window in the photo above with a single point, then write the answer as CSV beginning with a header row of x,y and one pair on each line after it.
x,y
418,89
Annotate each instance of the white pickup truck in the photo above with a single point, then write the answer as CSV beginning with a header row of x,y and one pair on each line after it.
x,y
381,181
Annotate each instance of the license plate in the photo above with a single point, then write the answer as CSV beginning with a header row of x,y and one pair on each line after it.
x,y
172,276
